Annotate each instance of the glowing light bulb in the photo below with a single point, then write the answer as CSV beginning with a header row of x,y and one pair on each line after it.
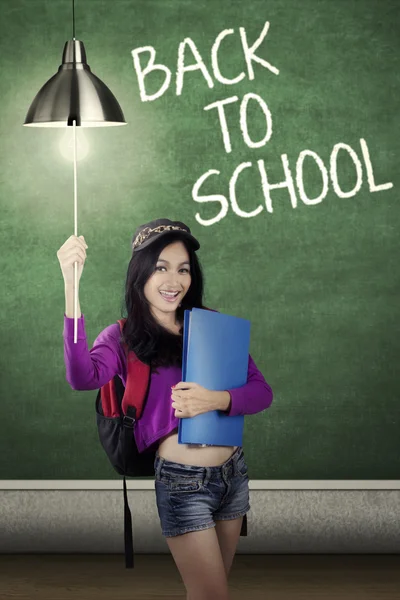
x,y
66,144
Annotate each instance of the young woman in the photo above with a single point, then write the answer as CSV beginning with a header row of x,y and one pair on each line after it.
x,y
202,492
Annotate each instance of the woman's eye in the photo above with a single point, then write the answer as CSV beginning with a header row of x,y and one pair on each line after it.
x,y
186,270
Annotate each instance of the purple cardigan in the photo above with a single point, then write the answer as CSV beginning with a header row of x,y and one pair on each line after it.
x,y
91,369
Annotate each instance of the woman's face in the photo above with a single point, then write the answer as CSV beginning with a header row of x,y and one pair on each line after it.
x,y
165,289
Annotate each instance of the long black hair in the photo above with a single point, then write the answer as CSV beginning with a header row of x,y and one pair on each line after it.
x,y
152,343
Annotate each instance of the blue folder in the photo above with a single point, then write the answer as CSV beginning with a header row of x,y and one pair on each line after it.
x,y
216,356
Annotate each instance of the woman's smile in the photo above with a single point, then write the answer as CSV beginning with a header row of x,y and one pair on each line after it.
x,y
169,296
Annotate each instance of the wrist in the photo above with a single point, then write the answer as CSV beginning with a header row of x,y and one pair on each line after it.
x,y
222,400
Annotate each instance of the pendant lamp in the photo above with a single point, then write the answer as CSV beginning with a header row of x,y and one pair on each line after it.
x,y
74,97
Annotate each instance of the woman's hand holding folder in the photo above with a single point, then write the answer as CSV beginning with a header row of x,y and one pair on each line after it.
x,y
191,399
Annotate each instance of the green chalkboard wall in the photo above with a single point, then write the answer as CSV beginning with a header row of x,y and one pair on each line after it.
x,y
313,263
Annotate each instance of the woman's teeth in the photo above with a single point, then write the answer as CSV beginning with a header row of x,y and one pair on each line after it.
x,y
168,296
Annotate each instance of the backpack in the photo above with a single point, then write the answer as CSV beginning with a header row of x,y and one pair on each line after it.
x,y
117,408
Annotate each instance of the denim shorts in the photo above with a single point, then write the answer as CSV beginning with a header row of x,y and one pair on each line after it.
x,y
190,498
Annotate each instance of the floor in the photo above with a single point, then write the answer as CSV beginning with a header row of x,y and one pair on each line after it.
x,y
253,577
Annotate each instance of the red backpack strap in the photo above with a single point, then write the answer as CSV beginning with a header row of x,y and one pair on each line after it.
x,y
135,390
136,385
137,380
109,402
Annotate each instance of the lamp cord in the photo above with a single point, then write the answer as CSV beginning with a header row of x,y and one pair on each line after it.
x,y
73,19
76,235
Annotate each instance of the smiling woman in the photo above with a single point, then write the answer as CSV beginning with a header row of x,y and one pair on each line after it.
x,y
202,493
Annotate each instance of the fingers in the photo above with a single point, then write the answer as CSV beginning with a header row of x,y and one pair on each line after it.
x,y
179,397
184,385
178,413
73,243
83,240
72,252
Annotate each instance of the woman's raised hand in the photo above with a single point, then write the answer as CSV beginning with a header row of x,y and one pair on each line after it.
x,y
73,250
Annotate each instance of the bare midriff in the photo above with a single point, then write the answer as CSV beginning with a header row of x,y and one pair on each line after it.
x,y
193,454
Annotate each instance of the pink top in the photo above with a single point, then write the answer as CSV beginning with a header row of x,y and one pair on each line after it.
x,y
91,369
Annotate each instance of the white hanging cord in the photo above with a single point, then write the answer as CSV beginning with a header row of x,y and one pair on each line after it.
x,y
73,19
76,234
